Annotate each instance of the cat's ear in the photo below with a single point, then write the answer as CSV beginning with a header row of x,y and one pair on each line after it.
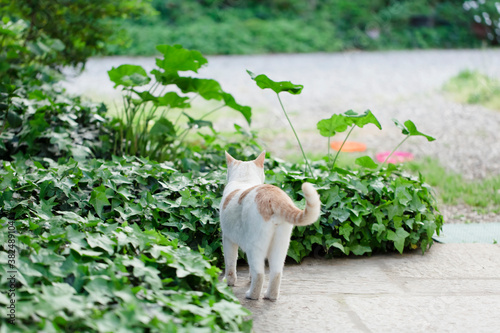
x,y
259,161
229,159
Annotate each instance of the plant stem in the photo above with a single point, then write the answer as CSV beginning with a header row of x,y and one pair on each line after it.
x,y
329,150
340,149
296,136
210,112
392,152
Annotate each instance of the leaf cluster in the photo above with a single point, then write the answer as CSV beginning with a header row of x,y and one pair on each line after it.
x,y
142,105
81,28
296,26
100,246
37,118
363,211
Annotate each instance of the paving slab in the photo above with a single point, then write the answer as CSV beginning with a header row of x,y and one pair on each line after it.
x,y
470,233
452,288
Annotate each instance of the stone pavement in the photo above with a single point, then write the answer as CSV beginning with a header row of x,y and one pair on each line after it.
x,y
452,288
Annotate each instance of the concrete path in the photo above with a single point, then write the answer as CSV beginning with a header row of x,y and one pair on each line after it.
x,y
452,288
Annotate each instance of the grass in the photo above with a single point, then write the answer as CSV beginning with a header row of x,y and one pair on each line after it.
x,y
473,87
453,189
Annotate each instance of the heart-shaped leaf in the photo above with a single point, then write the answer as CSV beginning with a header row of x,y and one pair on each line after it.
x,y
176,58
366,162
99,199
266,83
335,124
207,88
172,100
128,76
363,119
409,128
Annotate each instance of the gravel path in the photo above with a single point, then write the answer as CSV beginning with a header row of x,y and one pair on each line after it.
x,y
396,84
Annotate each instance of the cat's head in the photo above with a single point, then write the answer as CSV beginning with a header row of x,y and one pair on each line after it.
x,y
249,171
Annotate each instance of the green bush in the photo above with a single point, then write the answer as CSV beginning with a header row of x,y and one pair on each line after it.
x,y
363,211
474,87
88,257
81,28
38,119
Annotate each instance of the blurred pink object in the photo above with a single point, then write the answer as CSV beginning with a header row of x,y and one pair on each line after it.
x,y
397,157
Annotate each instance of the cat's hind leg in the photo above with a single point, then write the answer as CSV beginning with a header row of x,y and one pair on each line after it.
x,y
230,259
256,261
276,257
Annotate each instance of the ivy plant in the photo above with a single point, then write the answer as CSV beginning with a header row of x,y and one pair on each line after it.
x,y
101,245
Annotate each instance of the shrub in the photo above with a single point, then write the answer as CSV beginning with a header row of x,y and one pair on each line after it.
x,y
248,27
81,28
37,118
474,87
88,257
363,211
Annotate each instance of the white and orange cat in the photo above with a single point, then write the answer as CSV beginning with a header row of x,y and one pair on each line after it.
x,y
259,218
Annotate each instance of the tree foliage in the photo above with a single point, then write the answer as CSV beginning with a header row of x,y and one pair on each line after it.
x,y
83,27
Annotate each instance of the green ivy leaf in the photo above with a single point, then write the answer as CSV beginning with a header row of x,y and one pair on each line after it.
x,y
366,162
345,230
398,237
98,199
14,119
359,249
102,241
266,83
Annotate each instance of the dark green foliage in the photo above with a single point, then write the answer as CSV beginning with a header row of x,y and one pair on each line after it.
x,y
97,248
81,28
363,211
37,118
248,27
486,15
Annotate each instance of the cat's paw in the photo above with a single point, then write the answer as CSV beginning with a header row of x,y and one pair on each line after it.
x,y
251,295
231,279
269,297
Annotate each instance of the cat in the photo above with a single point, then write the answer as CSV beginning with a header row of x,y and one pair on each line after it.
x,y
259,218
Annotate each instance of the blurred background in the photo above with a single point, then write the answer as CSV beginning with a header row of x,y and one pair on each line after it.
x,y
435,62
291,26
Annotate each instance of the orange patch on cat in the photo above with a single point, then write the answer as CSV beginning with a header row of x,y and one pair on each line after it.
x,y
245,193
229,197
272,200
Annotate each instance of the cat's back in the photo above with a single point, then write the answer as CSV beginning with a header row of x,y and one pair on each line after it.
x,y
245,201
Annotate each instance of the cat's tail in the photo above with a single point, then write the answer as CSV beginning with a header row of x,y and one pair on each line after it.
x,y
313,206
